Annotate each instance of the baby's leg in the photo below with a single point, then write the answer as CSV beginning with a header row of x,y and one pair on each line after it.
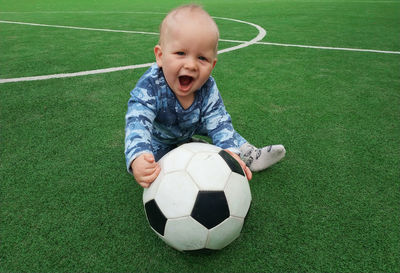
x,y
197,139
161,149
258,159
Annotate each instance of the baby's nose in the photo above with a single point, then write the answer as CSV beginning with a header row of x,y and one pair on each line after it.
x,y
190,64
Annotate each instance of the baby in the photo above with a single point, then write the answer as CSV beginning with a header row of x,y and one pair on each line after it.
x,y
177,98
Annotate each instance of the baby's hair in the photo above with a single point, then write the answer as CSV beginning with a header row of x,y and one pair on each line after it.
x,y
189,8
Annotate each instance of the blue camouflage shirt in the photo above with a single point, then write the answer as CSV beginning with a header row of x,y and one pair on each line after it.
x,y
156,121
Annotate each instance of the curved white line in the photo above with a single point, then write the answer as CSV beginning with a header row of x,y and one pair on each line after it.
x,y
75,74
261,34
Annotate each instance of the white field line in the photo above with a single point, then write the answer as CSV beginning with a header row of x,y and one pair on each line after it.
x,y
261,34
82,12
79,28
163,13
76,74
256,40
318,47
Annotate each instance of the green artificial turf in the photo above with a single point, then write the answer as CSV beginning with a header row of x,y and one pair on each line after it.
x,y
332,205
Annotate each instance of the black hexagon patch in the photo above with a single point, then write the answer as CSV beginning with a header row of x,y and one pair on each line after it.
x,y
155,216
232,163
210,208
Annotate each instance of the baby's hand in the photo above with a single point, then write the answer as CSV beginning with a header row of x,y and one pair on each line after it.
x,y
145,169
246,169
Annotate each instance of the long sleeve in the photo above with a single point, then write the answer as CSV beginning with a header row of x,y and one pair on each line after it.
x,y
218,122
139,121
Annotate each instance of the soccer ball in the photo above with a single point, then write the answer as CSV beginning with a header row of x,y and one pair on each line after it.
x,y
200,198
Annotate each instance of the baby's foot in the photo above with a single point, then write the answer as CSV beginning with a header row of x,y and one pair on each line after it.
x,y
259,159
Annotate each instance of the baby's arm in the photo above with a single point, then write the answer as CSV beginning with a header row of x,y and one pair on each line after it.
x,y
218,125
139,126
145,169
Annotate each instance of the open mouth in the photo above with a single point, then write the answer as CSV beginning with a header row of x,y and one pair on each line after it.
x,y
185,82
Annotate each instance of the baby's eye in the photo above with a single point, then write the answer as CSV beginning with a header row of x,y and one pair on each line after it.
x,y
202,58
180,53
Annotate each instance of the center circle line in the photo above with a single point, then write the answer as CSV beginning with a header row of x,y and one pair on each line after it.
x,y
261,34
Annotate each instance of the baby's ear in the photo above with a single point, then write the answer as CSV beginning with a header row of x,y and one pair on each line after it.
x,y
214,62
158,54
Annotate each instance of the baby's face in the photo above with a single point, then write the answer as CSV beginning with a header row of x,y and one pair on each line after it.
x,y
187,55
